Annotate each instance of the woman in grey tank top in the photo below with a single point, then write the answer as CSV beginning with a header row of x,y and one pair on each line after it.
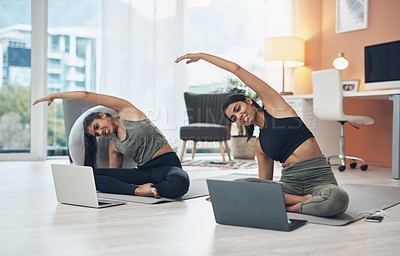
x,y
159,171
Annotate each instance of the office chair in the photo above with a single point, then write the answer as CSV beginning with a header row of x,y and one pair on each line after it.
x,y
328,105
206,122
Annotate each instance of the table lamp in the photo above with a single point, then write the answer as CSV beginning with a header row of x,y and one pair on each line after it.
x,y
286,51
340,62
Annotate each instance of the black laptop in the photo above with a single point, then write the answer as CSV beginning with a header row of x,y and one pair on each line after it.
x,y
249,204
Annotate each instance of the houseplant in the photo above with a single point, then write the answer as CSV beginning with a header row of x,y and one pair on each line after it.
x,y
241,148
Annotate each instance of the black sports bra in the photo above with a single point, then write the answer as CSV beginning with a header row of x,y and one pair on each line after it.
x,y
280,137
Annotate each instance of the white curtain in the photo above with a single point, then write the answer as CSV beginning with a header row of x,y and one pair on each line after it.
x,y
140,41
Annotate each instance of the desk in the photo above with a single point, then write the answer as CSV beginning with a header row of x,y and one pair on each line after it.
x,y
393,95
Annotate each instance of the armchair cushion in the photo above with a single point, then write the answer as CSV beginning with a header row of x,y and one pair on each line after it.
x,y
205,132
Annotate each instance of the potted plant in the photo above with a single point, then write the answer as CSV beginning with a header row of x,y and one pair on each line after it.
x,y
241,148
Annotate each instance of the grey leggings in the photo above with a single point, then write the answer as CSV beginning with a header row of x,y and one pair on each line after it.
x,y
313,176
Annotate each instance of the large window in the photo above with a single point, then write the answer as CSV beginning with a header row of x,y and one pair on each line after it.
x,y
231,29
74,34
234,30
73,59
15,73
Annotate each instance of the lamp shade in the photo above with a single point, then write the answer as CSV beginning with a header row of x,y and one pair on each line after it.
x,y
287,49
340,62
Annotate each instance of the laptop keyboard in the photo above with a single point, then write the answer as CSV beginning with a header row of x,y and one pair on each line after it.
x,y
103,203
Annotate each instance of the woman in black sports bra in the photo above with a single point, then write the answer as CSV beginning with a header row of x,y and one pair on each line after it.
x,y
307,180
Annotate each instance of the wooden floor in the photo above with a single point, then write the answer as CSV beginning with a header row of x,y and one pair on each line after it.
x,y
33,223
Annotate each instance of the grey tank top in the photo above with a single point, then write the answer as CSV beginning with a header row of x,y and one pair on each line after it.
x,y
142,141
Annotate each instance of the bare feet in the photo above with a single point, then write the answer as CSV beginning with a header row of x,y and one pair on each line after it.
x,y
293,208
146,190
308,197
294,199
296,207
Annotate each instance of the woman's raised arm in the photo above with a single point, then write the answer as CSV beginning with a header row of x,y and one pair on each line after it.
x,y
267,94
117,104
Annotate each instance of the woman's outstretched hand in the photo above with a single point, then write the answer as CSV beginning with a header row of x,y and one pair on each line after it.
x,y
48,98
192,57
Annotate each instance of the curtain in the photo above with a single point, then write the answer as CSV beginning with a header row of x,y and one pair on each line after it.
x,y
140,41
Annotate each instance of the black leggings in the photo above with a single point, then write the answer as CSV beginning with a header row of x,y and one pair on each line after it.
x,y
164,171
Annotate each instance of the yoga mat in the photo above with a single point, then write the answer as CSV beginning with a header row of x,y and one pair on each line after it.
x,y
198,188
363,198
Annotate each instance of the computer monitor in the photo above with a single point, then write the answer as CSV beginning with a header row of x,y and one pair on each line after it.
x,y
382,65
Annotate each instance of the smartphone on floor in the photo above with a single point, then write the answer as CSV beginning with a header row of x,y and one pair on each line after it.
x,y
373,218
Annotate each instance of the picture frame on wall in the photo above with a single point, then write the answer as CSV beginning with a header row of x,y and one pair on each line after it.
x,y
351,15
350,85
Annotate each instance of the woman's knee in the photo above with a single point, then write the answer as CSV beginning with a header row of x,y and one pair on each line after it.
x,y
330,201
337,200
179,180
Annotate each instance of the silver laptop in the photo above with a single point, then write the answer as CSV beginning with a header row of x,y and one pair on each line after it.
x,y
249,204
75,185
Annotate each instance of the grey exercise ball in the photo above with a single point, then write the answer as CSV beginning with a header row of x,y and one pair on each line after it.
x,y
76,142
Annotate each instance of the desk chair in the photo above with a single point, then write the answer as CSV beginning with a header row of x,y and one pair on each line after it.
x,y
328,105
206,122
